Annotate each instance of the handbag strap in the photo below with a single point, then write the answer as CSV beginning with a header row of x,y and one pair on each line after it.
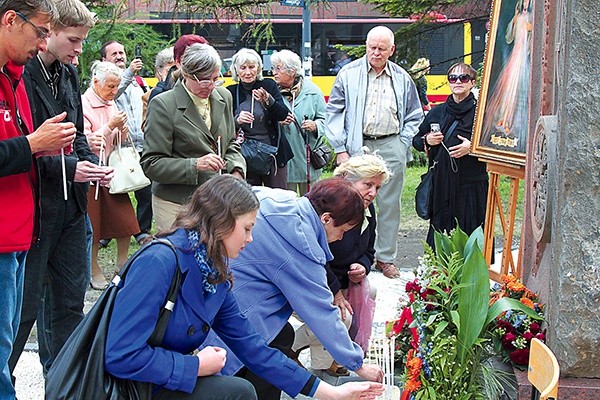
x,y
158,334
450,130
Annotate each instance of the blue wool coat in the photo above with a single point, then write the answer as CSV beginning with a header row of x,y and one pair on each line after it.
x,y
195,315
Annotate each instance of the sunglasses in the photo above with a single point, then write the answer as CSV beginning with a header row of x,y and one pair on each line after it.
x,y
40,32
463,78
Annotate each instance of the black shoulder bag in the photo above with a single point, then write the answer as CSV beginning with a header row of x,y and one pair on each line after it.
x,y
423,195
78,371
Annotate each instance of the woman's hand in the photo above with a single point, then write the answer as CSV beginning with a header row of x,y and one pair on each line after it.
x,y
460,150
245,117
117,121
350,390
370,373
263,97
95,141
309,125
212,360
210,162
357,273
434,138
288,120
340,301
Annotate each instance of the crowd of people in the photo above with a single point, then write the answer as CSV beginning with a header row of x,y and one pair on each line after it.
x,y
293,243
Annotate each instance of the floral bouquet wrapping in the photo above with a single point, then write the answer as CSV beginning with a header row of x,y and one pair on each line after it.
x,y
515,329
444,332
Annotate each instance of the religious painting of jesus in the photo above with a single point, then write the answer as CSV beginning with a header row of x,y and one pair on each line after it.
x,y
503,113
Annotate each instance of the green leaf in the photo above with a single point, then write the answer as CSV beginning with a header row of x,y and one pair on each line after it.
x,y
473,299
431,319
476,237
440,328
455,318
505,304
459,238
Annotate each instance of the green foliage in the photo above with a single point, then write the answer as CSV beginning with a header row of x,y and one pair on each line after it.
x,y
129,35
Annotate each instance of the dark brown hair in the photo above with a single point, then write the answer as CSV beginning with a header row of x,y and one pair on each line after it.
x,y
338,197
212,212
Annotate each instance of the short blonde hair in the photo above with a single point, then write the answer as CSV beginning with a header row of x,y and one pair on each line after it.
x,y
363,167
246,56
73,13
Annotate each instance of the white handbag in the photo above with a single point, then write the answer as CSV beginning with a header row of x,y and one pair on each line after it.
x,y
128,175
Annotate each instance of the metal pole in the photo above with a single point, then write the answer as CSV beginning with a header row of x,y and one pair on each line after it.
x,y
306,39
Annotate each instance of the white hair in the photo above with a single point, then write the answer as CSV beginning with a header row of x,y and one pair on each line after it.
x,y
200,60
103,69
290,60
381,30
246,56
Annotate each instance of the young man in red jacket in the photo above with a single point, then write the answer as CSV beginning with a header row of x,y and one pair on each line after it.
x,y
24,28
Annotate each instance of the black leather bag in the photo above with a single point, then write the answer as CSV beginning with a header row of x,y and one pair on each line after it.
x,y
424,193
78,371
259,156
320,156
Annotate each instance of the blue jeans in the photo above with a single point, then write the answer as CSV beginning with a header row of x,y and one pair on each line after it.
x,y
12,267
56,278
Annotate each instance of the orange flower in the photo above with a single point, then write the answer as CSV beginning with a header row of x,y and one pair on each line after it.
x,y
507,278
412,385
527,302
516,286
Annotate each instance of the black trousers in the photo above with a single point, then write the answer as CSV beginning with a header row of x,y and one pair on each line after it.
x,y
265,391
212,387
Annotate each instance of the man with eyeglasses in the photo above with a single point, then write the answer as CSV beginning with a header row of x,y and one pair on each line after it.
x,y
129,100
56,275
24,28
375,103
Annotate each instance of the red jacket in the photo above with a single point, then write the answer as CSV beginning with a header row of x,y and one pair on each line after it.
x,y
17,171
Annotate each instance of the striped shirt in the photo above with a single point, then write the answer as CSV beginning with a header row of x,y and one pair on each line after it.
x,y
380,117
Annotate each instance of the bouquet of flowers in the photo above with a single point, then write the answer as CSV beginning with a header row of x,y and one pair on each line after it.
x,y
515,329
448,321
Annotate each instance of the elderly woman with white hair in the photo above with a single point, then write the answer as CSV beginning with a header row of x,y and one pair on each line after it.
x,y
306,117
112,215
257,108
353,256
190,134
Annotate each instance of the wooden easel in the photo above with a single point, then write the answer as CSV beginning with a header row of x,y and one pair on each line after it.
x,y
494,204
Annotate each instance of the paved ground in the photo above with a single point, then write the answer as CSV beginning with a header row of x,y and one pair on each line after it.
x,y
29,384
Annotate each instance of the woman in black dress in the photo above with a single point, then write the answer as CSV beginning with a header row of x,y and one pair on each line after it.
x,y
460,181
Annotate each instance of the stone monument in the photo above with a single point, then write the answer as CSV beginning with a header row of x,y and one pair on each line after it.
x,y
561,243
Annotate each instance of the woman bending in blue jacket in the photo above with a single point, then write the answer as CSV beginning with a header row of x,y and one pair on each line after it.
x,y
216,225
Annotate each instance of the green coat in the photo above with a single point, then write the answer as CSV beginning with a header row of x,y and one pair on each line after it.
x,y
176,136
310,102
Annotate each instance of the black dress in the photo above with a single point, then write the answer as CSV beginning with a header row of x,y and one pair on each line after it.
x,y
460,192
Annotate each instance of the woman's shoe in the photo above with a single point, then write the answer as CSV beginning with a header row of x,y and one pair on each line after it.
x,y
98,282
337,370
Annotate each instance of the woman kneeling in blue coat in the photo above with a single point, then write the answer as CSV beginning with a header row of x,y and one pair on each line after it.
x,y
216,225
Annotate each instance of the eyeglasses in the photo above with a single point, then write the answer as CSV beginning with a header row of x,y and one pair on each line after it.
x,y
41,33
278,69
206,83
463,78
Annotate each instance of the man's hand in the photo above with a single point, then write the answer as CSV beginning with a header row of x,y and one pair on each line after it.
x,y
136,65
52,135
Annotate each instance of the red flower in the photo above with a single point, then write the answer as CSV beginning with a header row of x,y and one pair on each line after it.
x,y
505,325
528,336
413,286
507,340
541,336
520,357
534,327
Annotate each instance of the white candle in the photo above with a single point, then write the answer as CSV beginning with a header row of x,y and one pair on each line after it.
x,y
100,157
219,153
252,112
64,173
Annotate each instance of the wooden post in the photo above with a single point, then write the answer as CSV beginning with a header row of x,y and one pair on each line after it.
x,y
494,204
